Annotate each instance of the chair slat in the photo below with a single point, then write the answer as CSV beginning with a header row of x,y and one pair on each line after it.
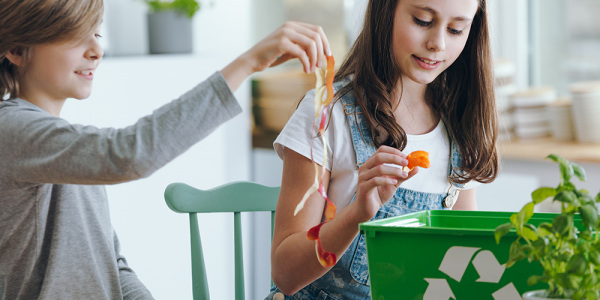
x,y
199,280
239,257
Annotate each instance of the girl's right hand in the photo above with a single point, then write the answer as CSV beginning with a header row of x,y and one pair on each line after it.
x,y
378,180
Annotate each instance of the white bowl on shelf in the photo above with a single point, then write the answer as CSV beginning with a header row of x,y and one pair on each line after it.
x,y
530,115
533,130
538,96
585,110
560,118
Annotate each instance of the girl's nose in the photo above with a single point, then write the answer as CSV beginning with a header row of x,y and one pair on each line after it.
x,y
436,40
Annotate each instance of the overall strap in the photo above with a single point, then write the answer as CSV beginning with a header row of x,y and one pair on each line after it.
x,y
361,135
456,163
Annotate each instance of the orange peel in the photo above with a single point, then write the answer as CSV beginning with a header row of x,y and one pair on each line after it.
x,y
418,158
323,98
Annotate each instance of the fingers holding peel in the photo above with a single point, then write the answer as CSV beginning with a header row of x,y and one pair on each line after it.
x,y
389,163
387,160
304,41
317,44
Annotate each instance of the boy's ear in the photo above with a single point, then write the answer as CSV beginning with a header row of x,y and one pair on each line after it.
x,y
15,56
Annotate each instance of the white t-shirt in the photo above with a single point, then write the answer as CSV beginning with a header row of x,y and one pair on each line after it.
x,y
341,158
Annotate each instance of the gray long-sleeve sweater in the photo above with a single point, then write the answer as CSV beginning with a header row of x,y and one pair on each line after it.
x,y
56,238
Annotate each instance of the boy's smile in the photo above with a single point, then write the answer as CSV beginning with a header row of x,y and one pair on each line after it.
x,y
86,74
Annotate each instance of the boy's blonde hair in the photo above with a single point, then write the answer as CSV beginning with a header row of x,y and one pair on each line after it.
x,y
27,23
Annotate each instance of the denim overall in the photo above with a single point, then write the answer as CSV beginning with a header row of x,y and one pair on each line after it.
x,y
349,278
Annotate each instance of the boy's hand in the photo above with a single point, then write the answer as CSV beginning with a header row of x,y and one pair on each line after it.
x,y
304,41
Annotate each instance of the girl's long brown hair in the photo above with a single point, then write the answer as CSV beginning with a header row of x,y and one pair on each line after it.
x,y
26,23
463,95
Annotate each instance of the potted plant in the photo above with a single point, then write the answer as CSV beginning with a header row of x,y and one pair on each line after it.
x,y
170,25
568,249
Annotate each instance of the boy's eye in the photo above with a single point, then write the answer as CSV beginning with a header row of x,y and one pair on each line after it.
x,y
421,22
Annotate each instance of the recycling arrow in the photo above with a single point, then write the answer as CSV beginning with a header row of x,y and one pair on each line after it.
x,y
488,267
508,292
438,289
456,261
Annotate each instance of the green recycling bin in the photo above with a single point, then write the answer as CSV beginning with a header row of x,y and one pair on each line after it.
x,y
445,254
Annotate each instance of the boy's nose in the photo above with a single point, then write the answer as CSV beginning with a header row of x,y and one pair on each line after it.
x,y
95,51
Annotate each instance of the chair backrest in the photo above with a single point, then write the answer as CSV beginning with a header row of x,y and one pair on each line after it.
x,y
233,197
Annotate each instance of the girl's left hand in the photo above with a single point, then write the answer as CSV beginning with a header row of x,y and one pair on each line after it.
x,y
378,180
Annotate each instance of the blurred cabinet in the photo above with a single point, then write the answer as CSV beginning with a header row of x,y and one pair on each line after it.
x,y
275,96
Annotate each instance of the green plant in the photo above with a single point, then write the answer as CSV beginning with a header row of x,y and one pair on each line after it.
x,y
187,7
568,251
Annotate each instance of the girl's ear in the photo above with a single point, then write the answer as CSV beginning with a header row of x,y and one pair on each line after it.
x,y
15,56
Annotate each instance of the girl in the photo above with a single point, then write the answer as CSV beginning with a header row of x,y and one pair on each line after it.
x,y
56,239
417,78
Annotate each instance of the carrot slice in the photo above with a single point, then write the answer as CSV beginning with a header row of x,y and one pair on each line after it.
x,y
418,158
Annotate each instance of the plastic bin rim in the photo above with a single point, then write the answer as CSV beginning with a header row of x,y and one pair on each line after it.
x,y
380,225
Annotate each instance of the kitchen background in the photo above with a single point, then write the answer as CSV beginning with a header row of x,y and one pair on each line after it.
x,y
541,49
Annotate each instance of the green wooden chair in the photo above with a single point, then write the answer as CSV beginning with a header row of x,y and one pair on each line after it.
x,y
234,197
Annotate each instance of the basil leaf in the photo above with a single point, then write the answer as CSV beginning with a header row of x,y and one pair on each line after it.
x,y
542,194
525,214
501,231
579,171
566,197
529,232
589,215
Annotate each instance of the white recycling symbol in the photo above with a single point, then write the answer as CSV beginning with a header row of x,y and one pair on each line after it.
x,y
455,263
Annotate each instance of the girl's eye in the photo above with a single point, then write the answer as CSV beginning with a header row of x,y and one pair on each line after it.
x,y
421,22
455,31
427,24
97,35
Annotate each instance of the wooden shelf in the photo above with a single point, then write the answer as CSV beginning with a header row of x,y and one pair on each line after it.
x,y
538,149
